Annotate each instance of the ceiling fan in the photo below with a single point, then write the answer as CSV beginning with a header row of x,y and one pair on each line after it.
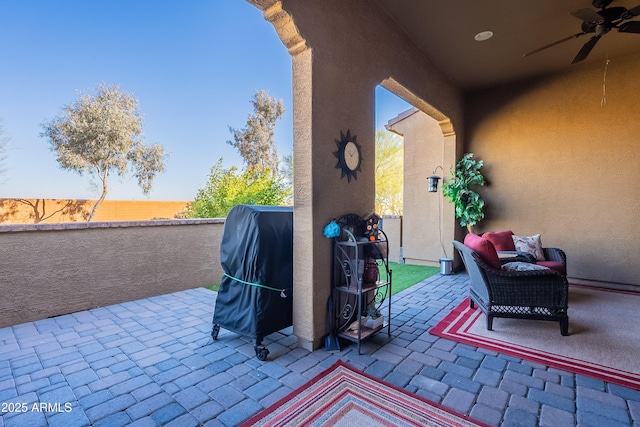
x,y
599,23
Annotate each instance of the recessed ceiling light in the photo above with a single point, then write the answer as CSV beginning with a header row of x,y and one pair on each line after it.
x,y
484,35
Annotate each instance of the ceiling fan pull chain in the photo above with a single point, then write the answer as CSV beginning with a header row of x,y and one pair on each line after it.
x,y
603,102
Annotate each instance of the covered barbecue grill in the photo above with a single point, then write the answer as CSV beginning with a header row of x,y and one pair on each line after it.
x,y
256,291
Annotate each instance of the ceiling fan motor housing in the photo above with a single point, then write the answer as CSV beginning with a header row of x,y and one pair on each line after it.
x,y
601,4
613,13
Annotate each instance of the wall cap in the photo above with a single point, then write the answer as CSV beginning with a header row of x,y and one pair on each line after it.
x,y
10,228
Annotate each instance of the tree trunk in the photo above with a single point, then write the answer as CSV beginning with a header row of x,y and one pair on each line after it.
x,y
95,207
100,200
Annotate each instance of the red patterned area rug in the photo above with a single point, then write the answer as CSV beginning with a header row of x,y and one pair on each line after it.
x,y
343,396
602,342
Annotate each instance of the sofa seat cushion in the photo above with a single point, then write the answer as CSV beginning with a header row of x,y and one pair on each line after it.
x,y
530,244
502,240
484,248
554,265
522,266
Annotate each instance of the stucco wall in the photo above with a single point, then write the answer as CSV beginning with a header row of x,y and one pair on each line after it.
x,y
562,165
53,269
348,49
392,227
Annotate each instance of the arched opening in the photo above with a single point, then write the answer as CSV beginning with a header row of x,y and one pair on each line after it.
x,y
428,147
389,166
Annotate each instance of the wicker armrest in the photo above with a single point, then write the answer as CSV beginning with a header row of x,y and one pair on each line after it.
x,y
555,254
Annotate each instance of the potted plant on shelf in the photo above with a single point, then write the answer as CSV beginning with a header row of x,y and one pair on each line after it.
x,y
374,318
468,203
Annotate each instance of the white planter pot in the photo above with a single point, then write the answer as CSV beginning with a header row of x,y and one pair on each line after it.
x,y
374,323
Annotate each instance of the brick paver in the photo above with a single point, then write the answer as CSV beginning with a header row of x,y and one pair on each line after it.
x,y
153,363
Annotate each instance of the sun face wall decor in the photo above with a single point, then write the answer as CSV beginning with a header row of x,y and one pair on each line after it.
x,y
349,156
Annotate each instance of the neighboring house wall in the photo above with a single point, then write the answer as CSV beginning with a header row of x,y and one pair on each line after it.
x,y
25,211
560,164
392,227
53,269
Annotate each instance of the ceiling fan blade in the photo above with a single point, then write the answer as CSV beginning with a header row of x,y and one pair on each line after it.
x,y
630,27
553,44
587,15
635,11
586,49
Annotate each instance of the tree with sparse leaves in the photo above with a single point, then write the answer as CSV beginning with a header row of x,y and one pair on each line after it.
x,y
261,182
389,172
255,142
101,134
286,173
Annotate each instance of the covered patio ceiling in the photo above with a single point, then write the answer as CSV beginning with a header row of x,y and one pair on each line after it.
x,y
445,31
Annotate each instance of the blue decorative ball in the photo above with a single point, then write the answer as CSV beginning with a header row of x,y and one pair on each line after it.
x,y
331,230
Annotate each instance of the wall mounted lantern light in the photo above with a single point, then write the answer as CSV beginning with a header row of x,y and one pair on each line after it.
x,y
433,180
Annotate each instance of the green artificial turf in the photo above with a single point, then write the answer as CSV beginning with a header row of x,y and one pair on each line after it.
x,y
406,275
403,276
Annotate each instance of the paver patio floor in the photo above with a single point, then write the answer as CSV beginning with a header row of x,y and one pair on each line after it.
x,y
152,362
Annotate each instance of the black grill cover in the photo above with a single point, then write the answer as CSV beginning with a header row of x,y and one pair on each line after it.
x,y
256,251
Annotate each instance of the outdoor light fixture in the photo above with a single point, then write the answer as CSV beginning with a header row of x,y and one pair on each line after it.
x,y
433,180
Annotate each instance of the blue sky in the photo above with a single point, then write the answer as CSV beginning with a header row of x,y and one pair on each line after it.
x,y
193,65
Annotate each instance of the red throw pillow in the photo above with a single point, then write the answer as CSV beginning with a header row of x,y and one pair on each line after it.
x,y
501,240
484,249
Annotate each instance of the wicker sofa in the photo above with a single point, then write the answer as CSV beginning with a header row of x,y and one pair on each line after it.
x,y
553,258
540,294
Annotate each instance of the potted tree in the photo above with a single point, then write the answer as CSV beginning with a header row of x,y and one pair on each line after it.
x,y
468,203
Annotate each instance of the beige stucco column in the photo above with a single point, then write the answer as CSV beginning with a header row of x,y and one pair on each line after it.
x,y
325,104
340,52
319,194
